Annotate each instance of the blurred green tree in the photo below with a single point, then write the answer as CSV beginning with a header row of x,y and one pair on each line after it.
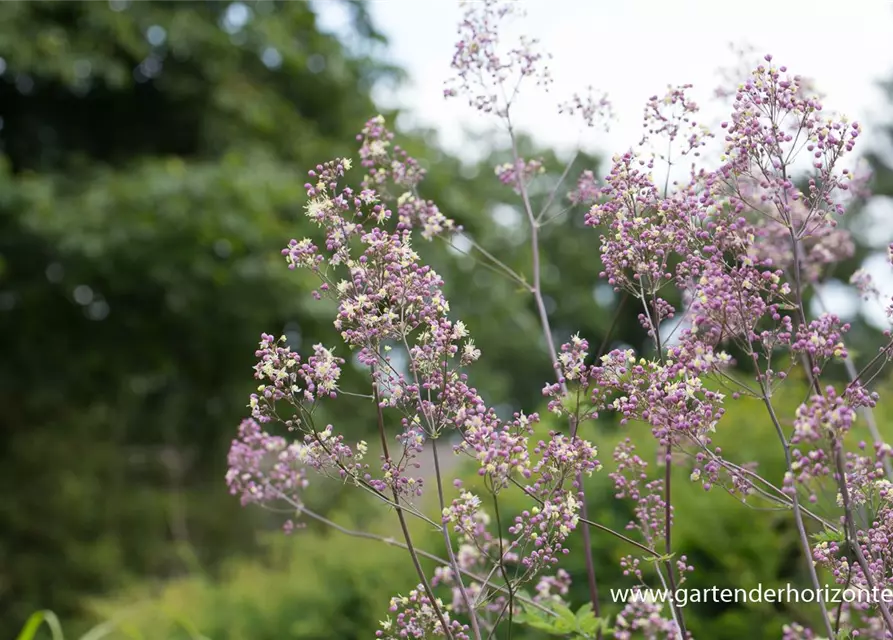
x,y
152,157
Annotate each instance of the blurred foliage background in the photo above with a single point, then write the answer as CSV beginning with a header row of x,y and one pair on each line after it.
x,y
152,157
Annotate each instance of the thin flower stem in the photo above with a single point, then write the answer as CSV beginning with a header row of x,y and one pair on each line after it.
x,y
546,327
535,255
798,515
362,483
400,545
440,495
617,313
505,576
654,323
472,614
866,411
679,628
849,578
405,529
591,581
497,267
641,547
584,507
499,263
852,534
554,218
554,191
837,450
495,625
884,352
782,498
503,269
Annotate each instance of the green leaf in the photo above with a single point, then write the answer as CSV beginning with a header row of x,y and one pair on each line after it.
x,y
592,625
658,559
583,625
564,613
829,536
29,631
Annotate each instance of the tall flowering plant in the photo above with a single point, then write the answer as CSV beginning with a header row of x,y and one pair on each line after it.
x,y
737,246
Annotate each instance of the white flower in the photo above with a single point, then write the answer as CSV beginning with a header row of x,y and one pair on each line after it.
x,y
470,353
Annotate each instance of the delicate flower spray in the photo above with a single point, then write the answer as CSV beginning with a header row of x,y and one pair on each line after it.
x,y
740,243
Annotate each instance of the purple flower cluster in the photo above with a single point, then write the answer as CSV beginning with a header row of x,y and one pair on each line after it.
x,y
673,115
387,299
479,552
736,247
592,107
488,73
643,619
512,174
629,484
741,244
669,395
395,175
872,492
264,468
416,617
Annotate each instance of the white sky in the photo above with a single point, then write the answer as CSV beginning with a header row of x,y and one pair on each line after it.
x,y
632,49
